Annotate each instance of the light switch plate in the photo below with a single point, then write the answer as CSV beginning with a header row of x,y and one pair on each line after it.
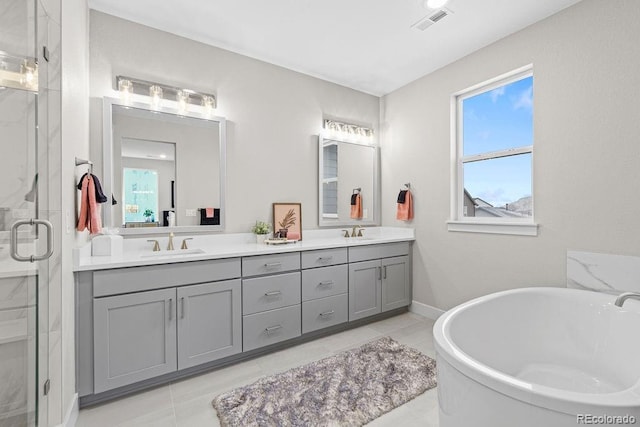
x,y
190,212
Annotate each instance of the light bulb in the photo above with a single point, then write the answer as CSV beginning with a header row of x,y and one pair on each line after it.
x,y
182,98
155,92
209,104
29,76
436,4
126,88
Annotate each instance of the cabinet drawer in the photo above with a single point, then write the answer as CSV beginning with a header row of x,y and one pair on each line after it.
x,y
324,282
135,279
270,327
324,312
387,250
324,257
270,292
267,264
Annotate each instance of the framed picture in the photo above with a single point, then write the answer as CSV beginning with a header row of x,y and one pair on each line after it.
x,y
287,220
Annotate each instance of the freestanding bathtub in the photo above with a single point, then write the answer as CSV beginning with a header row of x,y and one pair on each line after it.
x,y
539,357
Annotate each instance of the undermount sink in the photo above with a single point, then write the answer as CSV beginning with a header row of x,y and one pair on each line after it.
x,y
173,254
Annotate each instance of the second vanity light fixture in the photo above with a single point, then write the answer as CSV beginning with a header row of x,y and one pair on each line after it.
x,y
158,92
333,129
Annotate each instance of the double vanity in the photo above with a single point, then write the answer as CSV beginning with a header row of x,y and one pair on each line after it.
x,y
147,318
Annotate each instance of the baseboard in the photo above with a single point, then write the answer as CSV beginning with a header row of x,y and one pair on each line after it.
x,y
72,413
425,310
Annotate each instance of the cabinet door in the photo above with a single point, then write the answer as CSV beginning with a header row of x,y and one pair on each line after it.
x,y
209,322
396,286
134,337
364,289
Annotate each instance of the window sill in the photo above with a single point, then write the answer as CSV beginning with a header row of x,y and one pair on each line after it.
x,y
510,228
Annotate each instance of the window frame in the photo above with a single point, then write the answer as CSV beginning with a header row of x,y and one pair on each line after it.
x,y
457,221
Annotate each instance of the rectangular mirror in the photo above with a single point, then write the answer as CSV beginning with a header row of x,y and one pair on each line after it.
x,y
347,169
165,171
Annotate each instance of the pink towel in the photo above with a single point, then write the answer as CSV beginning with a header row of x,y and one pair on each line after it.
x,y
209,213
356,210
405,210
89,218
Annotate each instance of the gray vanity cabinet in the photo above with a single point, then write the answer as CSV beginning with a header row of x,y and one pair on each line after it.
x,y
134,337
365,289
396,285
209,322
379,279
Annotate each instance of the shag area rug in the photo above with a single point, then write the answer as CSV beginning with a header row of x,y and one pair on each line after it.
x,y
348,389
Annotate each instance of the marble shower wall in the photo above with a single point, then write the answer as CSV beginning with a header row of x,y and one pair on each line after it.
x,y
603,272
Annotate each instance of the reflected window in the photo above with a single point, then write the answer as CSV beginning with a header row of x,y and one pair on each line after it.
x,y
330,180
140,189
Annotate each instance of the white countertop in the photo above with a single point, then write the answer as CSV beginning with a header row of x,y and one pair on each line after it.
x,y
136,251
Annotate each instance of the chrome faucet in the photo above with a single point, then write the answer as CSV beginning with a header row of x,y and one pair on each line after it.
x,y
184,243
346,233
170,245
625,296
156,245
353,232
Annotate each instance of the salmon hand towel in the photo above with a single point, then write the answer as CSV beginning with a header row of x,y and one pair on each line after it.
x,y
89,218
405,206
356,206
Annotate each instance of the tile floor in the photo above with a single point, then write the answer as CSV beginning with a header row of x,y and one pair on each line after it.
x,y
188,402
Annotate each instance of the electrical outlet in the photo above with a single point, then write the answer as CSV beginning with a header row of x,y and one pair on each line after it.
x,y
190,212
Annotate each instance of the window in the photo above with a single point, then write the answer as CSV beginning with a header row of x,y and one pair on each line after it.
x,y
140,202
493,153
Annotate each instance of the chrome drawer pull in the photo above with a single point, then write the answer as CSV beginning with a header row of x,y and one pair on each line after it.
x,y
327,313
325,258
273,265
272,328
327,283
272,294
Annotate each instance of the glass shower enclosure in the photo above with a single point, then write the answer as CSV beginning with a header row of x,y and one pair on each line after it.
x,y
29,204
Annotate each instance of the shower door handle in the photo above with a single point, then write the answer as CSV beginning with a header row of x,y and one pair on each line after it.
x,y
14,240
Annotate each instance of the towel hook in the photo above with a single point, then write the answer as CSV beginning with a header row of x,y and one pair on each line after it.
x,y
80,162
408,185
357,190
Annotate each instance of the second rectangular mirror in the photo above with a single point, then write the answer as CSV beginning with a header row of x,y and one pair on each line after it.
x,y
347,170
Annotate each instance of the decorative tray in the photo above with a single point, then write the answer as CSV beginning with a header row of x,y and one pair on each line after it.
x,y
278,241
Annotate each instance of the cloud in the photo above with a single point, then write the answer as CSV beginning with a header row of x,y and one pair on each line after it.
x,y
525,99
496,93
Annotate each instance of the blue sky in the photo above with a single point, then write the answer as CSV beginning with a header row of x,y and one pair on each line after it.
x,y
498,120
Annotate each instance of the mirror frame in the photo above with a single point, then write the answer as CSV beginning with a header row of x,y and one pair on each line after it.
x,y
374,220
108,173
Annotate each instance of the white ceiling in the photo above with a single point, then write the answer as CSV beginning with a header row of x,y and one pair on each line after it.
x,y
367,45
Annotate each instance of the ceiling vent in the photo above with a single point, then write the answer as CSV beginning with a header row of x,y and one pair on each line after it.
x,y
429,20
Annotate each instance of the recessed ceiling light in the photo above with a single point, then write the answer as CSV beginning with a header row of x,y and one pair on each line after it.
x,y
436,4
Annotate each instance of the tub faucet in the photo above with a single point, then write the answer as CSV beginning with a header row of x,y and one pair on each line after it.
x,y
625,296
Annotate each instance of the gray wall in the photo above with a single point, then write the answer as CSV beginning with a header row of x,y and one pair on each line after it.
x,y
274,114
586,154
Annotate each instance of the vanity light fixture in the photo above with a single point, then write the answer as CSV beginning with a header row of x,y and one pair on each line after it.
x,y
334,129
158,92
18,72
